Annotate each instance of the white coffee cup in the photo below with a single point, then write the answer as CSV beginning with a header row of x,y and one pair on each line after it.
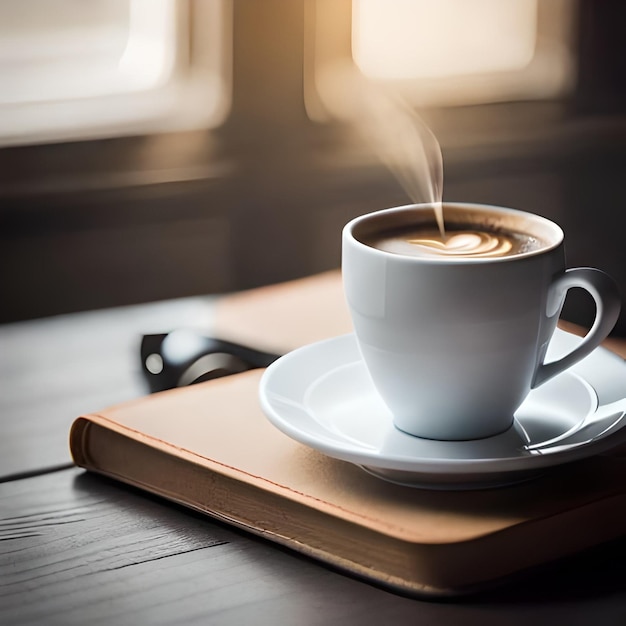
x,y
454,345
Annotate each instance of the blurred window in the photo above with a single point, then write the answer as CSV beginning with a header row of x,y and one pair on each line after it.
x,y
76,69
449,52
424,39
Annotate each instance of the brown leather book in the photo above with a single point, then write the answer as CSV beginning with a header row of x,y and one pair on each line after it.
x,y
210,447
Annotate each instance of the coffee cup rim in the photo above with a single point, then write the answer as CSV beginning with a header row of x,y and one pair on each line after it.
x,y
554,239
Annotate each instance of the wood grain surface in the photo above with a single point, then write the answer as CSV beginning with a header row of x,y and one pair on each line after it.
x,y
79,549
54,369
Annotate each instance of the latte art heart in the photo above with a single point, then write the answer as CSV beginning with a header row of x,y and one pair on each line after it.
x,y
466,244
459,241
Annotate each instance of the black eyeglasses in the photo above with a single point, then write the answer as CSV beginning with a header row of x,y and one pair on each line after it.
x,y
184,357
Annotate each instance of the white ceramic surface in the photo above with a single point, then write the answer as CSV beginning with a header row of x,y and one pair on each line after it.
x,y
322,396
455,345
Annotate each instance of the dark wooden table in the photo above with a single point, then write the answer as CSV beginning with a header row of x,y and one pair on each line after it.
x,y
79,549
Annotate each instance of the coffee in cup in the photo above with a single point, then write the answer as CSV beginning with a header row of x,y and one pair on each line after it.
x,y
454,327
473,236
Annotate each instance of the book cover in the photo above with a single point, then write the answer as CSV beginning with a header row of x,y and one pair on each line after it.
x,y
210,447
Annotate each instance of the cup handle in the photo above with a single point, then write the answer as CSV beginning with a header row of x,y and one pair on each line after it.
x,y
604,291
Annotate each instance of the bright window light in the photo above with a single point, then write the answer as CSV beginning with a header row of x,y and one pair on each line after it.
x,y
73,69
67,50
424,39
438,53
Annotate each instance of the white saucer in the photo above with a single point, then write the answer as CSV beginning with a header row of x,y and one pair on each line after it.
x,y
321,395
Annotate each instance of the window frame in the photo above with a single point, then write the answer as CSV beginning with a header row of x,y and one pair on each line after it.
x,y
195,94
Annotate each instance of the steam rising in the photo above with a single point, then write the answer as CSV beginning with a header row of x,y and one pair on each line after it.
x,y
410,150
399,136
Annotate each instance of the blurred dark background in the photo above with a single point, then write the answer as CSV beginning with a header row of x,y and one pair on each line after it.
x,y
259,195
